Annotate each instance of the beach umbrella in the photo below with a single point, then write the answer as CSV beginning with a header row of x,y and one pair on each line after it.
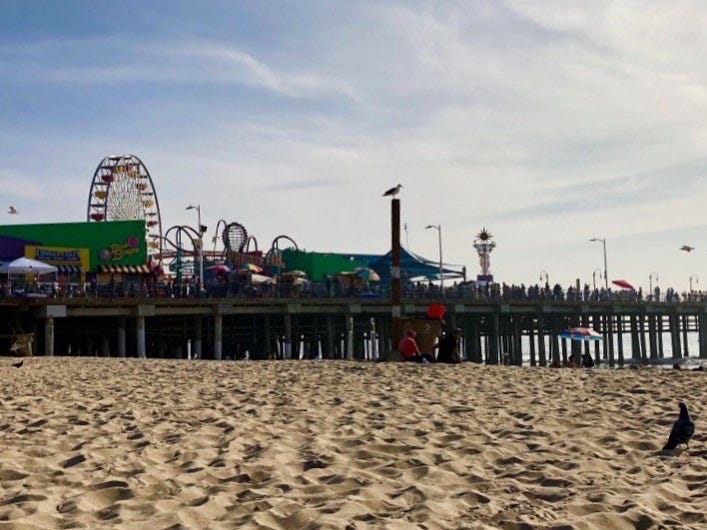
x,y
580,333
259,279
220,268
251,267
295,274
623,284
367,274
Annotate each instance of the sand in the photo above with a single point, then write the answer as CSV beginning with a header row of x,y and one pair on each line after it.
x,y
158,444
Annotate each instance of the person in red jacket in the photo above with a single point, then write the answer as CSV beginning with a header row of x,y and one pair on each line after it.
x,y
410,351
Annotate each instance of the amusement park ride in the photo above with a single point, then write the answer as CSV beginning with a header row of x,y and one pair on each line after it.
x,y
122,189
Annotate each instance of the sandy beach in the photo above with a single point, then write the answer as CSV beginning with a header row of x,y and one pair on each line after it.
x,y
110,443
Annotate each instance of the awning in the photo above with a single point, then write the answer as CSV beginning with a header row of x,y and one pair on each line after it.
x,y
68,269
124,269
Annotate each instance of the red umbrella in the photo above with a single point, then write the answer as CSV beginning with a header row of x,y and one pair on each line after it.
x,y
623,284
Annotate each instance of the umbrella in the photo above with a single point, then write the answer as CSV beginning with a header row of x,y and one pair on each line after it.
x,y
261,279
367,274
220,268
581,334
251,267
295,274
623,284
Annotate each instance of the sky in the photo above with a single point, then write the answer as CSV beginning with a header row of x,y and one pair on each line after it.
x,y
547,122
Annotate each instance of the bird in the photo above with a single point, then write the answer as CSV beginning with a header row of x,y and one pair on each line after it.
x,y
392,192
687,248
12,210
682,431
18,364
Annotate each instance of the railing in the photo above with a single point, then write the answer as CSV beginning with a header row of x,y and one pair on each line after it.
x,y
465,292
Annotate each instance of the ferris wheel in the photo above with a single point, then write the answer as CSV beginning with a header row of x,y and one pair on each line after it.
x,y
122,189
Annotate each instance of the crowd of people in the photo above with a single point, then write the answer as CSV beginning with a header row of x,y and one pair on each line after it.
x,y
241,286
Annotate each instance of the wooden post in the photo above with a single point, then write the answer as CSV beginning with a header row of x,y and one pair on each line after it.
x,y
542,356
652,338
218,338
121,337
531,343
141,337
395,291
702,327
492,354
49,336
196,343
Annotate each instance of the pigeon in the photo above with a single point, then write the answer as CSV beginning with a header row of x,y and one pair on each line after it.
x,y
12,210
682,431
18,364
392,192
687,248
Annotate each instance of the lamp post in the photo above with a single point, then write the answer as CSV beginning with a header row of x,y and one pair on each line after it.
x,y
201,244
594,277
441,267
697,280
652,276
603,242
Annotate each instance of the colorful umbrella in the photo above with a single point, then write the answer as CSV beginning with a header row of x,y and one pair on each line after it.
x,y
251,267
220,268
367,274
623,284
581,334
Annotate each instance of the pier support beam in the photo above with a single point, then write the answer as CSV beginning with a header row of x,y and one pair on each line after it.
x,y
196,349
702,333
287,346
121,337
140,344
49,336
218,338
493,339
542,356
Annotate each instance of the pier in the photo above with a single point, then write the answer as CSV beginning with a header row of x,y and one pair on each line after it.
x,y
516,332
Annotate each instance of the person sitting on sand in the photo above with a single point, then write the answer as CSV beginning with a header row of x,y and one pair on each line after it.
x,y
410,351
449,347
587,361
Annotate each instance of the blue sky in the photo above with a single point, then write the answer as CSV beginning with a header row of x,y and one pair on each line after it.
x,y
547,122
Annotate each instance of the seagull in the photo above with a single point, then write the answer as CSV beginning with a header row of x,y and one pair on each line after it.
x,y
392,192
12,210
687,248
682,431
18,364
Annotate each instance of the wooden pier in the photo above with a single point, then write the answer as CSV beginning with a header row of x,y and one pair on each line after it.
x,y
518,332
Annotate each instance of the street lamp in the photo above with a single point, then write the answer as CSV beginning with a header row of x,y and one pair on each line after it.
x,y
594,277
201,244
441,268
603,242
697,280
652,276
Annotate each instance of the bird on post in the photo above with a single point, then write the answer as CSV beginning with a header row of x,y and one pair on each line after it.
x,y
682,430
392,192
